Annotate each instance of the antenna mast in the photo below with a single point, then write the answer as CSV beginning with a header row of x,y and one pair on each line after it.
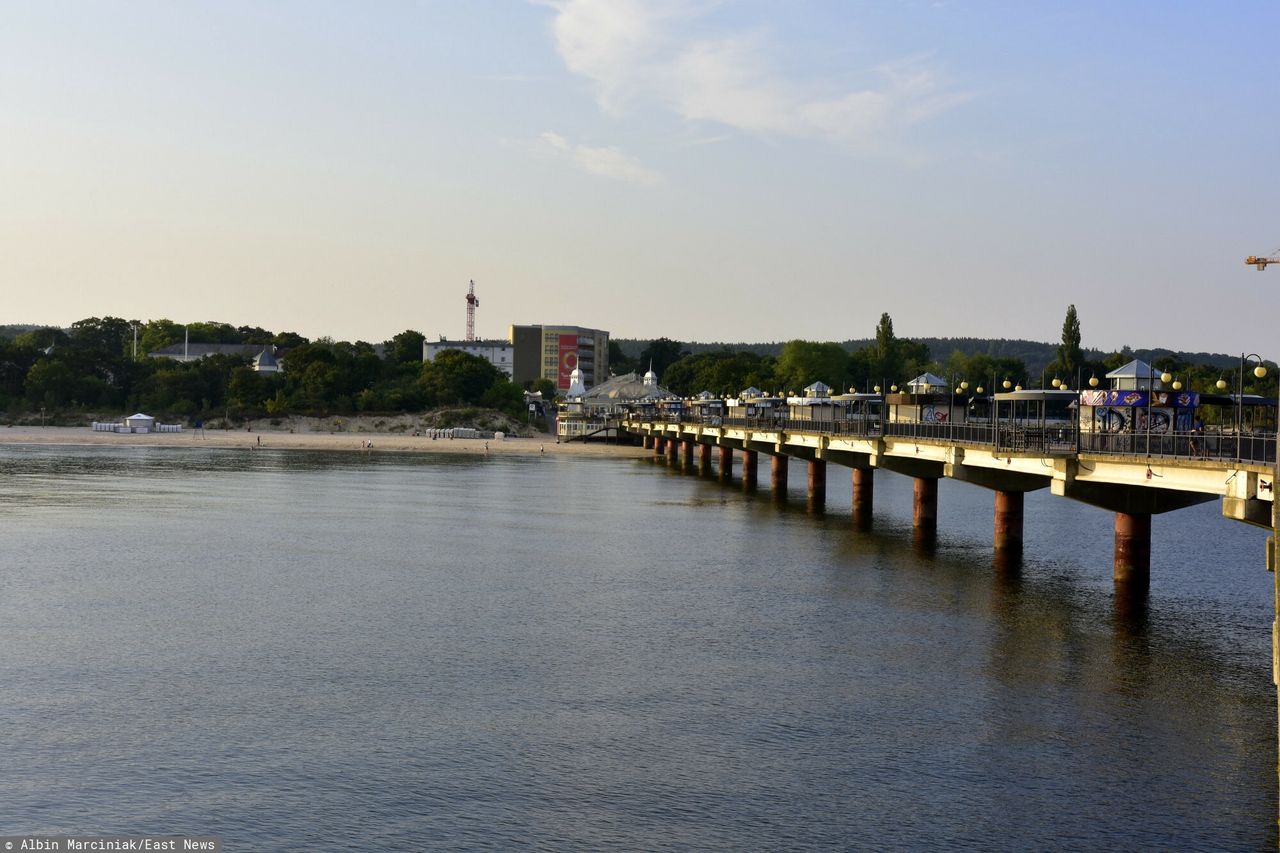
x,y
472,304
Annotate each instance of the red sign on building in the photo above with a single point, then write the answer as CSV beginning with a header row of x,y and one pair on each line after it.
x,y
568,359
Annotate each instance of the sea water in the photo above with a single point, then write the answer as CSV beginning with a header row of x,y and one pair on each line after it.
x,y
303,650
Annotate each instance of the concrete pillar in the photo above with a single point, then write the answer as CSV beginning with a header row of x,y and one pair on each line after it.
x,y
778,475
648,442
673,449
1133,550
750,460
659,445
687,458
1008,532
863,493
704,459
817,481
924,505
726,462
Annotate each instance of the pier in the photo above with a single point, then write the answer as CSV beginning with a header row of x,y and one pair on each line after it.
x,y
1133,475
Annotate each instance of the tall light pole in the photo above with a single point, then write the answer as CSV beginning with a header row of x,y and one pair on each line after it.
x,y
1259,371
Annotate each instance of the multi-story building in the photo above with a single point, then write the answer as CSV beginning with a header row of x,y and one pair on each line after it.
x,y
497,353
553,352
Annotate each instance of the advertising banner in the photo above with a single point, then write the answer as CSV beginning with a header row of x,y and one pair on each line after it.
x,y
1177,399
568,359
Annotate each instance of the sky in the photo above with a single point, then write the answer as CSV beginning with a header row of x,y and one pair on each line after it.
x,y
705,170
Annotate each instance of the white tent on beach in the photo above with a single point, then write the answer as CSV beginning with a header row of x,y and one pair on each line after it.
x,y
140,422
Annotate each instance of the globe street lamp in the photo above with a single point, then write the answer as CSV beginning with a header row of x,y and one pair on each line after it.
x,y
1259,371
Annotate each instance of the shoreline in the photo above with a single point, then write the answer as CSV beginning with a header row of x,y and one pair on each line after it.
x,y
363,442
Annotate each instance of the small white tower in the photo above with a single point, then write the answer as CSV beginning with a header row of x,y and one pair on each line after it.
x,y
576,388
650,378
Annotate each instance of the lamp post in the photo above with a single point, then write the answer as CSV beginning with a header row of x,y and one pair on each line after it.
x,y
1259,371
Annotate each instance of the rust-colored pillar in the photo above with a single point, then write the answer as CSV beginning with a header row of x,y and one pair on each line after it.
x,y
726,462
704,459
778,474
687,458
647,441
863,494
924,505
659,445
750,460
673,449
1008,533
1133,550
817,481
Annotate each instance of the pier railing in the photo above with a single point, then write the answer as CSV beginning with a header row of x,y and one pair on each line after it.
x,y
1018,436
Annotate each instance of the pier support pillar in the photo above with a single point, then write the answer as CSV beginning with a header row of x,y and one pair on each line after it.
x,y
924,504
817,482
863,495
778,475
647,441
687,457
659,444
673,449
1133,550
704,459
726,462
750,461
1008,526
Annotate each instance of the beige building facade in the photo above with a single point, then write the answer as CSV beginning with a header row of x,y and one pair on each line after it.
x,y
553,352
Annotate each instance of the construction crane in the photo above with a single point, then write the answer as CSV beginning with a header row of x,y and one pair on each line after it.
x,y
1260,262
472,304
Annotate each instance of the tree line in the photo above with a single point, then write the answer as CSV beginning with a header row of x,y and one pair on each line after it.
x,y
886,360
94,367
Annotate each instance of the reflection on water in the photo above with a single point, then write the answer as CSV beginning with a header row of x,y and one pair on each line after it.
x,y
334,650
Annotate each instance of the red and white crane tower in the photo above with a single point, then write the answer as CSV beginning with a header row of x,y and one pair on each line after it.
x,y
472,304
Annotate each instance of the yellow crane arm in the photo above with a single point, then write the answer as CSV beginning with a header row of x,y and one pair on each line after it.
x,y
1261,263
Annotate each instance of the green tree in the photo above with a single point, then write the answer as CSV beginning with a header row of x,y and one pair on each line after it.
x,y
158,334
1070,358
618,361
888,358
805,362
544,385
406,347
506,397
718,371
661,353
50,383
457,377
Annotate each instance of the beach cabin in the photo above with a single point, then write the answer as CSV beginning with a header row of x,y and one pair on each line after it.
x,y
1036,420
754,408
140,423
671,410
705,408
1137,420
814,406
857,414
927,400
1137,414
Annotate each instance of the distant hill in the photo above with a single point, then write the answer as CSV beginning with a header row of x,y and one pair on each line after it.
x,y
1036,355
12,331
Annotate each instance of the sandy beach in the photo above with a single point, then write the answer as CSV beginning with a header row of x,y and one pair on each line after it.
x,y
365,442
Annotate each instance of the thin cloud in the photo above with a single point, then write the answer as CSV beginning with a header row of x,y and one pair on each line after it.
x,y
607,162
635,52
